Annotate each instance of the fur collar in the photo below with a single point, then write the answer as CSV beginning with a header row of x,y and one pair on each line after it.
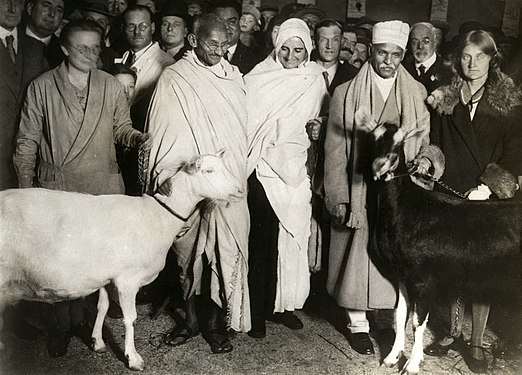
x,y
503,96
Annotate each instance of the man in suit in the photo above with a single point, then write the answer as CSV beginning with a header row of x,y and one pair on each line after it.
x,y
245,58
425,65
174,23
147,59
10,83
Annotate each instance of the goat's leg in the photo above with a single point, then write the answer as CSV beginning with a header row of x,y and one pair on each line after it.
x,y
97,343
420,314
401,317
127,296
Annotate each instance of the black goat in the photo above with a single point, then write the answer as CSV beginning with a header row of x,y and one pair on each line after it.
x,y
437,246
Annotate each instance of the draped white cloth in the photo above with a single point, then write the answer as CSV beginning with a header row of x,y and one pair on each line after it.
x,y
279,103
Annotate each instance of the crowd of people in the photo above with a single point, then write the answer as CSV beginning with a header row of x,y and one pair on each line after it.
x,y
89,88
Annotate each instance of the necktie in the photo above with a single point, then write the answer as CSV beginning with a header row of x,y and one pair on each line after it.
x,y
422,70
9,41
326,79
130,59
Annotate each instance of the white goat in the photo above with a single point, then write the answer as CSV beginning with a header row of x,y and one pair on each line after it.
x,y
57,245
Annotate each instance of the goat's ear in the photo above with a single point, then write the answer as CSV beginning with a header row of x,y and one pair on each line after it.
x,y
221,152
414,132
364,119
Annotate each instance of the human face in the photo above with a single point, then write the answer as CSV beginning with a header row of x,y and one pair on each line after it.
x,y
194,10
10,13
129,85
422,43
210,48
148,3
116,7
273,36
268,15
311,20
45,16
138,39
329,43
83,50
474,63
231,18
386,58
292,53
247,22
347,46
173,31
100,19
360,55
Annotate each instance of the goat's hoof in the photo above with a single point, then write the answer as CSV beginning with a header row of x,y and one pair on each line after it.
x,y
410,369
98,346
391,359
137,363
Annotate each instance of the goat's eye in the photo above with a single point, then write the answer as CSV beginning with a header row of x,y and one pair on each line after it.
x,y
209,170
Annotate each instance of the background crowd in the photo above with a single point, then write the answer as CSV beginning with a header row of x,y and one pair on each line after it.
x,y
89,87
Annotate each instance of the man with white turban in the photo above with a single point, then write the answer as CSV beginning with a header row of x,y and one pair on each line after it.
x,y
387,93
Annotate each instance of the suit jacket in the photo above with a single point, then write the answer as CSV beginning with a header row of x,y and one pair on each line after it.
x,y
10,88
345,72
245,58
437,75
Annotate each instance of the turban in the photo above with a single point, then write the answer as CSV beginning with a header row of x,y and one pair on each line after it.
x,y
395,32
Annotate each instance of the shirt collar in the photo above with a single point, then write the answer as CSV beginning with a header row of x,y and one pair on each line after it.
x,y
14,33
332,70
428,63
232,50
30,33
142,51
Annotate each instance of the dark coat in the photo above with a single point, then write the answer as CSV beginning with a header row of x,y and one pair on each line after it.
x,y
437,75
10,88
245,58
345,72
494,135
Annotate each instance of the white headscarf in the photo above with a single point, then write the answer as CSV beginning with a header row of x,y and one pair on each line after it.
x,y
293,27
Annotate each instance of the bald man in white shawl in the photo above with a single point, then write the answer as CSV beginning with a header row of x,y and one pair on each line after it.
x,y
284,92
198,108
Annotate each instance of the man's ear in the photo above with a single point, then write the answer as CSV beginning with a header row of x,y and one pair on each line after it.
x,y
192,40
64,50
185,32
152,27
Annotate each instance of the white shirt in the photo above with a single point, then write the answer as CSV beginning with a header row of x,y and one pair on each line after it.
x,y
231,50
385,85
331,72
140,53
427,64
30,33
14,33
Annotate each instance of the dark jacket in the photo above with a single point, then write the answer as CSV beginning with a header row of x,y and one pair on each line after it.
x,y
493,139
245,58
437,75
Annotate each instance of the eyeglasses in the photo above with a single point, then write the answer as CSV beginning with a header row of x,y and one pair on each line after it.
x,y
95,50
131,27
214,46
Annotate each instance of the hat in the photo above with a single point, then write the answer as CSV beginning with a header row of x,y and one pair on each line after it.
x,y
97,6
468,26
315,11
395,32
176,10
250,9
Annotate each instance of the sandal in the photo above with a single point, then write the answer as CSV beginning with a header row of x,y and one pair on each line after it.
x,y
219,342
179,335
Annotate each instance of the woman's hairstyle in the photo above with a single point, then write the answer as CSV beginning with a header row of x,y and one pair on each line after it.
x,y
123,69
79,25
486,43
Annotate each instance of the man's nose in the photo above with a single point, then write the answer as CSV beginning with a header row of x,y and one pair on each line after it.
x,y
52,12
387,59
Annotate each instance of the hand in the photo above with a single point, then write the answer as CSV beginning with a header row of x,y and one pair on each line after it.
x,y
420,166
313,128
339,214
145,142
480,193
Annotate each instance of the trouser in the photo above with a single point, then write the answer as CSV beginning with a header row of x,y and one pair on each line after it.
x,y
358,321
262,257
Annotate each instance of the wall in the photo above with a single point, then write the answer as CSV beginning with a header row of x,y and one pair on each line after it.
x,y
411,11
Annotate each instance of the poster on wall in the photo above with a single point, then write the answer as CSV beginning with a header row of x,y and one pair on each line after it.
x,y
306,2
356,8
255,3
511,17
439,10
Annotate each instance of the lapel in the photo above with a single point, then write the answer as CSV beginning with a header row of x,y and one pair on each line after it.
x,y
11,71
462,122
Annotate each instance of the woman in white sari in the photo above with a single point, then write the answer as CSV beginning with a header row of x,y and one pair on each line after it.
x,y
284,92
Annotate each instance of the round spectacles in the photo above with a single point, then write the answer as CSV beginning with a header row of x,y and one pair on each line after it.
x,y
84,50
131,27
214,46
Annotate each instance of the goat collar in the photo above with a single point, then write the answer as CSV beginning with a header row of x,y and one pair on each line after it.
x,y
181,202
503,96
